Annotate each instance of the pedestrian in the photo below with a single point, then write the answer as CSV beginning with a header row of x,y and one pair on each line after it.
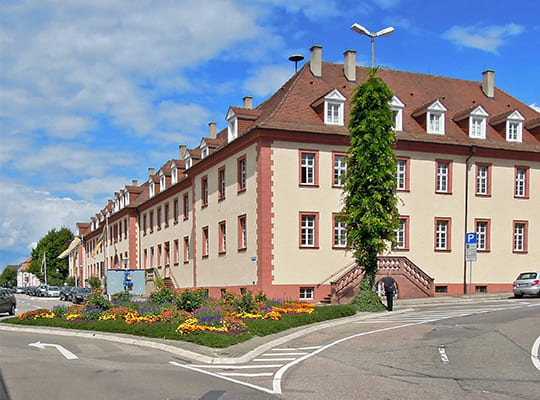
x,y
389,290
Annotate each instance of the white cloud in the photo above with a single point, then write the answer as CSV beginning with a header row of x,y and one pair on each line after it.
x,y
267,79
27,215
488,38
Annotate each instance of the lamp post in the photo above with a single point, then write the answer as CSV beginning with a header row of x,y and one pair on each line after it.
x,y
364,31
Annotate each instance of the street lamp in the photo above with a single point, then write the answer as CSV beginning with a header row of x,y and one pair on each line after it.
x,y
125,259
364,31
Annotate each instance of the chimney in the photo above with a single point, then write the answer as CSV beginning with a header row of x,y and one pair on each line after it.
x,y
182,150
349,67
248,102
134,182
315,61
212,130
488,83
150,171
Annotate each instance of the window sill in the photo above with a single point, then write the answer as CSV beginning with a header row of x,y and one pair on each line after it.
x,y
443,193
308,247
521,197
240,191
482,195
308,185
443,250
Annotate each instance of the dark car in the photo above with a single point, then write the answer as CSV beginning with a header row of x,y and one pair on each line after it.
x,y
65,292
79,295
8,303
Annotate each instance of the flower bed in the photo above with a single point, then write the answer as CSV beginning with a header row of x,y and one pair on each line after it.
x,y
191,311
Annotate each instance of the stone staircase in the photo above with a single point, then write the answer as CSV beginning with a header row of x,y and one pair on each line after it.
x,y
411,280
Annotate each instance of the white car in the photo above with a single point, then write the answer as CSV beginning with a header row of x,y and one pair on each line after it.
x,y
527,283
53,291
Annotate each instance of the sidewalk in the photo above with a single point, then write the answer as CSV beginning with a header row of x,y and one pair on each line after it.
x,y
244,352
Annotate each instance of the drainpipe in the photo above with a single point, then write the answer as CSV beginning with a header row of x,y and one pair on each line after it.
x,y
473,150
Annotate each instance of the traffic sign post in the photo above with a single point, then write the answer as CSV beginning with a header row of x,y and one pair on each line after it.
x,y
470,254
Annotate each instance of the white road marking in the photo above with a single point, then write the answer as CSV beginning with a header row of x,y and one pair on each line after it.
x,y
256,387
283,354
273,359
444,357
216,366
66,353
534,353
244,374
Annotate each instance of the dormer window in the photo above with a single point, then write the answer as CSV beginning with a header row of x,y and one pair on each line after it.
x,y
162,182
232,129
174,174
514,127
477,123
334,104
126,199
152,189
435,118
397,113
204,151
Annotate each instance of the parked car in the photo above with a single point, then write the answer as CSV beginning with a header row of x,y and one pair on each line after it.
x,y
8,303
65,292
527,283
79,295
18,289
41,291
53,291
31,290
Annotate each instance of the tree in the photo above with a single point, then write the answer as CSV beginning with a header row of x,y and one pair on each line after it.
x,y
52,244
8,278
370,210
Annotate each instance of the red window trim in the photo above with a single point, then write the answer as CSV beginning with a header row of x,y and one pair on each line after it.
x,y
407,173
221,179
185,206
186,249
334,154
176,252
239,188
526,168
316,229
241,247
176,210
205,242
204,184
449,235
450,174
488,233
222,234
406,247
315,168
525,237
481,164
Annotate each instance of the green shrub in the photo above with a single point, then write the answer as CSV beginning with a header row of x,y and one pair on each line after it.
x,y
97,299
190,300
368,300
162,296
94,282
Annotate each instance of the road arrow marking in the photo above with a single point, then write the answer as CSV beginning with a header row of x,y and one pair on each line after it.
x,y
66,353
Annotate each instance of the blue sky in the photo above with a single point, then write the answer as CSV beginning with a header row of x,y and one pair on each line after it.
x,y
93,93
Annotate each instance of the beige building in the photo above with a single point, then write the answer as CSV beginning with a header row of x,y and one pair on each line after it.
x,y
253,206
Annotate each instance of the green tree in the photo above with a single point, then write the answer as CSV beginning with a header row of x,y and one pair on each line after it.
x,y
370,210
8,278
52,244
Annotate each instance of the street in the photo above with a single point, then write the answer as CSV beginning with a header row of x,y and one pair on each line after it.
x,y
451,351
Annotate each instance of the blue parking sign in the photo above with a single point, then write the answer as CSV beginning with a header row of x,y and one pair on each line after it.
x,y
470,238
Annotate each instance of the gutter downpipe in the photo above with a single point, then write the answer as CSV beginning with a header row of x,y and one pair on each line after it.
x,y
473,150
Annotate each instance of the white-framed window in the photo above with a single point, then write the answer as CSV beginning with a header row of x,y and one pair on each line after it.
x,y
482,235
221,183
520,237
306,293
435,118
514,127
401,174
152,189
308,230
307,168
242,174
340,233
521,187
482,179
174,174
162,183
242,232
402,240
334,105
222,237
232,129
397,113
340,169
189,162
442,234
204,151
443,177
477,123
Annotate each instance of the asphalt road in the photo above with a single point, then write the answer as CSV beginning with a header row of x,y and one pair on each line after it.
x,y
451,351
